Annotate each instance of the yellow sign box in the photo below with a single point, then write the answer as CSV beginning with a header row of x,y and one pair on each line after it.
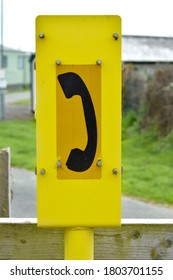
x,y
78,117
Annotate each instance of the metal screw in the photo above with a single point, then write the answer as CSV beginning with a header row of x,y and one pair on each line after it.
x,y
41,35
58,62
99,163
58,163
99,61
42,171
115,171
115,35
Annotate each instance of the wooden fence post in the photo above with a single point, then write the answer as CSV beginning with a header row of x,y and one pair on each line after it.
x,y
5,183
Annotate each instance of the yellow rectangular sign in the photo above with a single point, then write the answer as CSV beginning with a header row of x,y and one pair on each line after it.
x,y
78,117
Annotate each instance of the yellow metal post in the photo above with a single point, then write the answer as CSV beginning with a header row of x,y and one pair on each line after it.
x,y
79,243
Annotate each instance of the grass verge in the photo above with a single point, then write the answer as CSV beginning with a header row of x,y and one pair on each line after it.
x,y
148,164
147,160
19,135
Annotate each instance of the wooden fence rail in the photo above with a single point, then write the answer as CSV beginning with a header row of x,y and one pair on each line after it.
x,y
20,239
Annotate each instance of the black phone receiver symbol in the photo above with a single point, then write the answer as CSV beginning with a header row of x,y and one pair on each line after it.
x,y
72,84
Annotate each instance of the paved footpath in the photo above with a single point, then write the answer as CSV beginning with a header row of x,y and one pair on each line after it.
x,y
16,96
14,110
24,200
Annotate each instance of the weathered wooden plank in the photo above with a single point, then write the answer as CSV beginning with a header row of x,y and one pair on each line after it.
x,y
26,241
135,242
5,182
139,239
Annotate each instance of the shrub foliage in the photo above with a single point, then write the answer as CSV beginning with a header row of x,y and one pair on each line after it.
x,y
159,102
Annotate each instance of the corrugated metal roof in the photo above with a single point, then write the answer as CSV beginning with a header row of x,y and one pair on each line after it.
x,y
147,49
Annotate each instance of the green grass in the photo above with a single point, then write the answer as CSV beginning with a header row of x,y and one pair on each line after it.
x,y
147,160
148,164
19,135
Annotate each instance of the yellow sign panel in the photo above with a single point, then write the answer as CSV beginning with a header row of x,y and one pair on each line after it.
x,y
78,117
78,121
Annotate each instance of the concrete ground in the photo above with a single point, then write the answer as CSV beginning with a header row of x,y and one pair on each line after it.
x,y
17,111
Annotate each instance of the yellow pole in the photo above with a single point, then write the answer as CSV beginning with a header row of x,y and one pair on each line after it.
x,y
79,243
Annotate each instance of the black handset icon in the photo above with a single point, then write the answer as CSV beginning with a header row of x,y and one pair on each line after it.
x,y
72,84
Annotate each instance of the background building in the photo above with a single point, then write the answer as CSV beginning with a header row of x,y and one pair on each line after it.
x,y
16,65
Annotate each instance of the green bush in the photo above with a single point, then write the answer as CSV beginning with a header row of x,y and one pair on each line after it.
x,y
159,103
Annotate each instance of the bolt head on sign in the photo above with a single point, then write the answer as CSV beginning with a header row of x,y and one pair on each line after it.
x,y
78,120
